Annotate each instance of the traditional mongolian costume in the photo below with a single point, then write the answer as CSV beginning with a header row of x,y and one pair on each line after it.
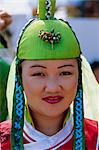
x,y
47,38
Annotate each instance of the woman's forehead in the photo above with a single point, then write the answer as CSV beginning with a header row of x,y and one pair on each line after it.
x,y
72,62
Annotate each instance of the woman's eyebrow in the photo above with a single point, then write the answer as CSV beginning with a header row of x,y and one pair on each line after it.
x,y
34,66
68,65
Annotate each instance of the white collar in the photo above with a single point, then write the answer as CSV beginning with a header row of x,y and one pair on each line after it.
x,y
40,141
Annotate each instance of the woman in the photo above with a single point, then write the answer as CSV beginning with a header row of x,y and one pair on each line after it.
x,y
48,78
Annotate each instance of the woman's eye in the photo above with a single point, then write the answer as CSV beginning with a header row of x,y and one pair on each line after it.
x,y
38,74
65,73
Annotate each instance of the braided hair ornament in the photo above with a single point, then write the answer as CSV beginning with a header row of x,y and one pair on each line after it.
x,y
18,108
79,137
46,38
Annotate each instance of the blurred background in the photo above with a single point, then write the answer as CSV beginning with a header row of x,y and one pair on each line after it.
x,y
83,16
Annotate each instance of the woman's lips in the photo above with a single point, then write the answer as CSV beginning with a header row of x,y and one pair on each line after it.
x,y
52,99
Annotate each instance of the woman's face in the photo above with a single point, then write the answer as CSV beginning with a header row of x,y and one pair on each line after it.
x,y
50,85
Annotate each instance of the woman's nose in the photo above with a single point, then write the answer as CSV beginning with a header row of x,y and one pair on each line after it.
x,y
52,86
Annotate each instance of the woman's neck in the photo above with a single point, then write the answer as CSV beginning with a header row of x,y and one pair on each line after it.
x,y
48,125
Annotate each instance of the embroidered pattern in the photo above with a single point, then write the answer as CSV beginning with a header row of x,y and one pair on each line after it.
x,y
78,122
50,37
48,9
4,132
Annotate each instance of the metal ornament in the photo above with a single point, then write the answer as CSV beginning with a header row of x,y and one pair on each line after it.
x,y
50,37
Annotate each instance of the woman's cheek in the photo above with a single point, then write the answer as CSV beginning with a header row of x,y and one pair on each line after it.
x,y
70,87
35,86
69,84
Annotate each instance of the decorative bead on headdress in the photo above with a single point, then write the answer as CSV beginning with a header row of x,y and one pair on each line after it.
x,y
50,37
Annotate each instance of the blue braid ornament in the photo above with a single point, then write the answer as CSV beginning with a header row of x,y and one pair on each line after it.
x,y
79,138
18,113
78,121
18,105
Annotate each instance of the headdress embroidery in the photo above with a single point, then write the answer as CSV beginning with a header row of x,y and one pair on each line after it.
x,y
50,37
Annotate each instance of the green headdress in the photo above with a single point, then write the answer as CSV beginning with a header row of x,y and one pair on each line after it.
x,y
46,38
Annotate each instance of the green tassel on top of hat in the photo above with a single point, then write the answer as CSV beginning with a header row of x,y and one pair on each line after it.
x,y
46,9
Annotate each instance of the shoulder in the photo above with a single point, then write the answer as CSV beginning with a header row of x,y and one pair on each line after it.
x,y
91,129
5,128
